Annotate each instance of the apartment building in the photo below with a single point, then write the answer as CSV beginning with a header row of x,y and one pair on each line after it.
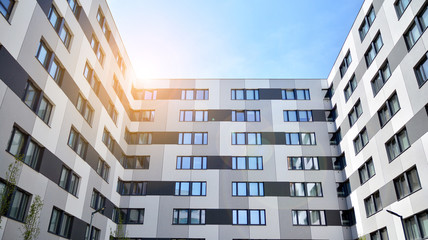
x,y
212,158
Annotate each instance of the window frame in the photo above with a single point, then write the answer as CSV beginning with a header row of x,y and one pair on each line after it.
x,y
178,190
401,149
346,62
9,10
295,213
60,221
360,138
373,47
350,85
367,22
292,166
412,189
255,94
376,202
234,136
236,188
365,168
236,216
420,72
180,159
26,141
176,216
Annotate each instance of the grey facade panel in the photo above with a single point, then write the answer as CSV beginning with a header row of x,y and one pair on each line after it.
x,y
333,218
11,72
270,94
219,162
219,115
387,194
78,229
280,189
85,24
377,4
70,87
92,157
325,163
397,54
50,166
273,138
373,126
218,216
160,188
318,116
109,207
165,138
45,5
417,126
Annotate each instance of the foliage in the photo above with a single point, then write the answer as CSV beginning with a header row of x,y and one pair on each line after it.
x,y
11,178
120,232
31,229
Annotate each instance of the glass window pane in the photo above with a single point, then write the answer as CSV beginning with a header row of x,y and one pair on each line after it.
x,y
196,189
251,116
242,217
187,138
30,95
303,217
423,221
194,216
294,137
42,55
394,104
413,179
250,94
289,94
183,215
184,188
315,217
197,162
199,116
253,189
189,94
300,94
240,138
198,138
252,162
242,189
17,142
54,221
309,164
254,217
299,189
241,162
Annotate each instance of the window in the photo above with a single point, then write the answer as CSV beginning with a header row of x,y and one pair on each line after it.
x,y
300,139
247,163
374,49
373,204
48,60
129,215
112,112
303,163
350,88
131,188
74,6
367,22
84,108
108,140
58,23
355,113
246,116
135,162
345,64
245,94
97,200
193,138
193,116
138,138
194,94
91,77
298,116
380,78
148,94
34,98
21,144
144,115
308,217
60,223
17,201
95,233
248,217
103,169
248,189
188,216
416,226
400,6
246,139
305,189
6,7
348,217
69,180
77,143
192,162
103,23
389,109
190,189
98,50
418,26
407,183
421,71
366,171
343,189
361,141
121,63
295,94
332,114
397,144
380,234
339,163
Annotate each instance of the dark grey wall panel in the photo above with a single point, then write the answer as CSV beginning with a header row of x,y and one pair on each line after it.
x,y
417,126
109,207
281,189
354,181
373,126
387,194
377,4
45,5
219,115
333,218
160,188
85,24
270,93
12,74
104,97
113,45
92,157
318,116
78,229
50,166
165,138
219,162
117,151
397,54
269,138
169,94
325,163
218,216
70,87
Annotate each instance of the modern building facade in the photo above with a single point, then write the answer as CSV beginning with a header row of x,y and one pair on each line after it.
x,y
212,158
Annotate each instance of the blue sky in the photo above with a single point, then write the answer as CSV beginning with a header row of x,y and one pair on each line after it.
x,y
233,38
